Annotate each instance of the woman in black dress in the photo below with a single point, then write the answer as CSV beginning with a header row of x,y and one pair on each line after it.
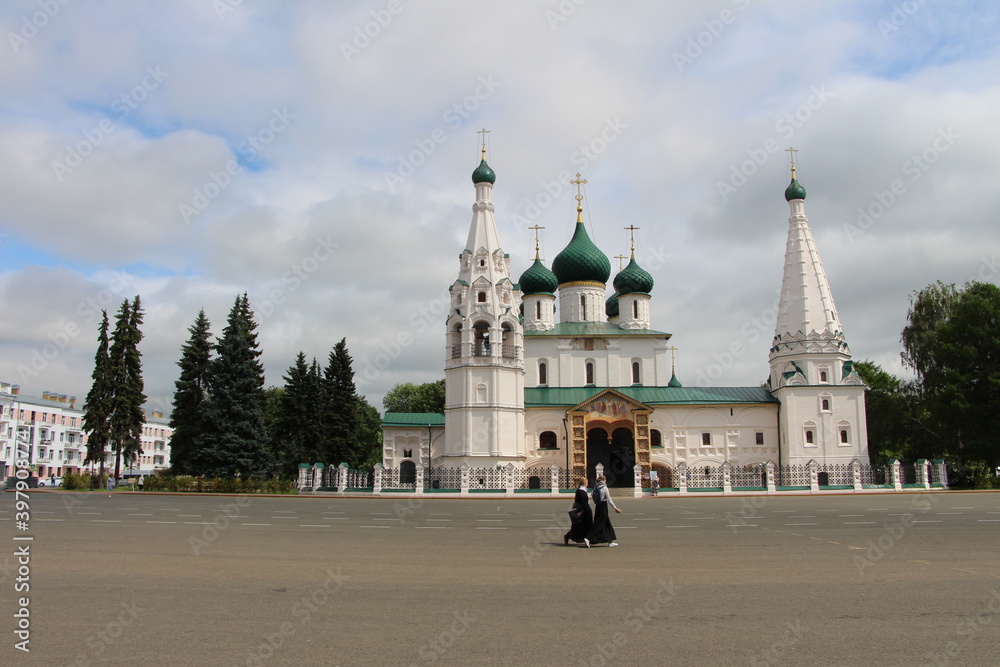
x,y
580,528
602,531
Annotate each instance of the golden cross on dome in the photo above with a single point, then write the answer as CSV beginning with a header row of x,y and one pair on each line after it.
x,y
621,261
631,233
535,229
483,132
791,156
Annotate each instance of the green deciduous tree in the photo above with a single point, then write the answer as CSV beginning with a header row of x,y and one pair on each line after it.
x,y
952,342
408,397
187,416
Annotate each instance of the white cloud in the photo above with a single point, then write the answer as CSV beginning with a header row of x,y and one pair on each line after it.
x,y
289,141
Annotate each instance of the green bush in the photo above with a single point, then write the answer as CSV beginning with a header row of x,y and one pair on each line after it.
x,y
75,482
218,484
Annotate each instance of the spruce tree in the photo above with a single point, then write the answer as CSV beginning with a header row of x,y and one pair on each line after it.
x,y
340,408
127,415
234,441
298,428
187,417
97,411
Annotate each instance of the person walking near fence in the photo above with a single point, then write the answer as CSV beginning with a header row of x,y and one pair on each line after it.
x,y
602,531
580,515
111,485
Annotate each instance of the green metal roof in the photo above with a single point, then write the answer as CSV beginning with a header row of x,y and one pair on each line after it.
x,y
633,278
413,419
795,190
567,397
595,329
537,279
483,174
581,260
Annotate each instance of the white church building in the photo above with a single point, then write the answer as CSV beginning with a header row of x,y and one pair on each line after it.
x,y
552,370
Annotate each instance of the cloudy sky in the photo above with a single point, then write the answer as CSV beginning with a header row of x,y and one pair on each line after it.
x,y
317,156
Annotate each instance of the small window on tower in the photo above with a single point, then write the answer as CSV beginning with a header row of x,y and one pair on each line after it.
x,y
843,436
543,373
635,310
481,297
809,437
826,405
706,439
482,262
635,372
538,310
760,438
407,453
590,373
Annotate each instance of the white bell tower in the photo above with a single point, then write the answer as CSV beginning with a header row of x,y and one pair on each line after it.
x,y
822,412
484,352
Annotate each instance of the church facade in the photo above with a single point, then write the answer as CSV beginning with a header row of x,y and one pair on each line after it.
x,y
550,370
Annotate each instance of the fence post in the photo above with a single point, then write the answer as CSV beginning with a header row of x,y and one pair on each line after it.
x,y
341,478
317,476
418,487
377,481
682,478
894,469
555,480
856,471
727,477
510,480
598,470
813,476
922,472
637,480
942,472
769,472
464,484
305,474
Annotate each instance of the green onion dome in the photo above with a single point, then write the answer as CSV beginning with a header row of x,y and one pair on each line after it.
x,y
611,305
483,174
795,190
633,278
538,280
581,260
